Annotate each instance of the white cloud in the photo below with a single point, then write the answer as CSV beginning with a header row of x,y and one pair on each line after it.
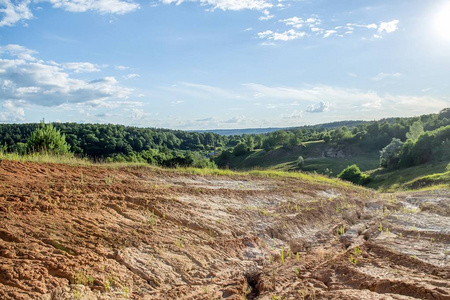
x,y
295,22
236,120
137,114
318,108
81,67
329,33
102,6
11,113
121,68
14,12
382,76
296,114
283,36
388,27
227,4
18,51
35,82
313,26
131,76
266,15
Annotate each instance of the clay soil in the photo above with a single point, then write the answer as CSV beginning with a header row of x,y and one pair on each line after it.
x,y
71,232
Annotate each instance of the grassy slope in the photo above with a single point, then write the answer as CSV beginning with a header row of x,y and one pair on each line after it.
x,y
285,159
409,178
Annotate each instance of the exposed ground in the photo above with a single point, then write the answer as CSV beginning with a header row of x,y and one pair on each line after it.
x,y
114,233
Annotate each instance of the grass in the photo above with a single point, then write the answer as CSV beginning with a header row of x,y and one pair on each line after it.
x,y
46,158
283,159
72,160
427,176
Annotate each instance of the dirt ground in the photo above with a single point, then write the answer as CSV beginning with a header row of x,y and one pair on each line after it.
x,y
94,232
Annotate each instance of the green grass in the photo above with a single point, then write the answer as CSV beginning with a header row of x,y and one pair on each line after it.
x,y
74,161
283,159
403,179
365,161
439,180
46,158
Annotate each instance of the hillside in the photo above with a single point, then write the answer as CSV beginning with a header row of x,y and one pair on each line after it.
x,y
318,157
108,232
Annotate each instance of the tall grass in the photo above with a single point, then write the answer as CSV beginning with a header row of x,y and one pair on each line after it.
x,y
46,158
76,161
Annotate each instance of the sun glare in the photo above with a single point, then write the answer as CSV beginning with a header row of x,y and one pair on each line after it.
x,y
442,22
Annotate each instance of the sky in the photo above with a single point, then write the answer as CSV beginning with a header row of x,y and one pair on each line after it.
x,y
222,64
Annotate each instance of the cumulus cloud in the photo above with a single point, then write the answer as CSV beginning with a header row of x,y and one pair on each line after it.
x,y
14,12
266,15
32,81
11,113
318,108
81,67
102,6
18,51
227,4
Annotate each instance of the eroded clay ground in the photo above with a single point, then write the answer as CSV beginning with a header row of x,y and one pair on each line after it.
x,y
101,233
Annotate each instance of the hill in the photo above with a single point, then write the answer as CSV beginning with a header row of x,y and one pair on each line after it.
x,y
109,232
242,131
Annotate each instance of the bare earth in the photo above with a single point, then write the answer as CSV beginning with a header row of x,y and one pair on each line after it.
x,y
143,233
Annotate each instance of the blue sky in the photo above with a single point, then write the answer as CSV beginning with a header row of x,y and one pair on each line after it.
x,y
204,64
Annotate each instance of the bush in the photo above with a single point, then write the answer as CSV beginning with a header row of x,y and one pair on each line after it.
x,y
353,174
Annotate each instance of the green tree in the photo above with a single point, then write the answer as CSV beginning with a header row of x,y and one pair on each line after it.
x,y
47,139
389,155
353,174
415,130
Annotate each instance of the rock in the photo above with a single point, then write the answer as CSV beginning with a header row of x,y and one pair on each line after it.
x,y
299,245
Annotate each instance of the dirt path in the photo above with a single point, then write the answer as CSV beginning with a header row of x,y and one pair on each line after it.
x,y
141,233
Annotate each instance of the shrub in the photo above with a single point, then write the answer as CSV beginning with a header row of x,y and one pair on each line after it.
x,y
353,174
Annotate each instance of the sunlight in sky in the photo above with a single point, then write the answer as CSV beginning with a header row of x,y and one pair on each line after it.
x,y
442,22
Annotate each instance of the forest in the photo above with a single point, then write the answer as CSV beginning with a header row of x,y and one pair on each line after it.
x,y
402,142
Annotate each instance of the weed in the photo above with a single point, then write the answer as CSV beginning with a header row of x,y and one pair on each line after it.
x,y
77,294
109,179
152,219
296,271
380,228
354,256
82,278
298,256
126,292
341,230
282,255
